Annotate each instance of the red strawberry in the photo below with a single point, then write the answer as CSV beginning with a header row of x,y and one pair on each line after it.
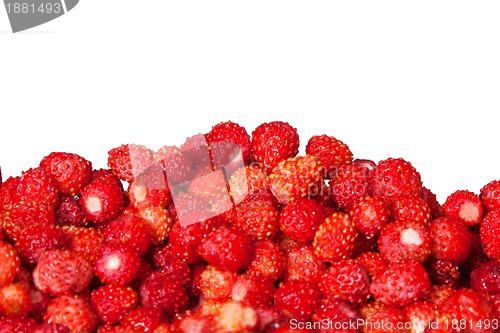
x,y
170,264
372,262
274,142
411,208
331,151
394,177
302,264
178,165
439,294
228,249
150,188
443,272
162,293
17,324
131,230
85,242
188,208
490,195
369,215
116,263
72,311
297,299
432,202
254,290
403,282
234,316
39,303
420,315
216,284
268,262
301,218
58,272
69,171
346,280
405,239
35,186
9,263
36,239
15,299
335,238
488,233
468,311
486,278
140,320
129,160
379,318
257,218
102,200
232,133
19,216
158,220
112,302
69,212
350,183
337,316
51,328
246,182
465,205
445,232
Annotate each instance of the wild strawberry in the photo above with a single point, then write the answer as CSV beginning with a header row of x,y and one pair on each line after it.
x,y
9,263
15,299
102,201
420,315
469,309
177,164
378,318
36,239
58,272
141,320
235,316
369,215
488,233
69,171
112,302
297,299
331,151
345,280
476,255
465,205
394,177
215,283
254,290
335,238
403,282
268,262
150,188
445,232
363,244
232,133
439,294
17,324
130,230
432,202
301,218
129,160
302,264
348,184
39,303
7,191
162,293
50,328
36,186
170,264
85,242
72,311
19,216
188,208
257,218
486,278
246,182
228,249
490,195
443,272
274,142
158,220
341,316
372,262
411,208
69,212
116,263
404,239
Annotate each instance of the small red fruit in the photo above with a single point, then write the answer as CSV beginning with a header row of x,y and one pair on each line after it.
x,y
486,278
116,263
369,215
297,299
490,195
102,200
465,205
9,263
113,302
300,219
489,235
129,160
331,151
160,292
232,133
445,233
72,311
335,238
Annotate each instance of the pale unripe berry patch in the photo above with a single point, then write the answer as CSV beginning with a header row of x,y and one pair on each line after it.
x,y
410,237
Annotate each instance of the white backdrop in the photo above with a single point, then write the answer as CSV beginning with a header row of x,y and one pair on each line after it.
x,y
418,80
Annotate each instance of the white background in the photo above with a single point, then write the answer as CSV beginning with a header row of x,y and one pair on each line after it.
x,y
412,79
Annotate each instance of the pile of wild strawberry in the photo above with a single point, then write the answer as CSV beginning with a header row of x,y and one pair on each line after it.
x,y
234,232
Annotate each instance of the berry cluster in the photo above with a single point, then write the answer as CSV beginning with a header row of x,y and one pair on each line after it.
x,y
237,232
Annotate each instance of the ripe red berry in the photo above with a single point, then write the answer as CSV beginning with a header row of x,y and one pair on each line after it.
x,y
72,311
372,262
113,302
465,205
378,318
490,195
69,212
36,239
102,200
349,183
35,186
116,263
9,263
489,235
215,283
274,142
160,292
331,151
445,232
257,291
369,215
129,160
130,230
247,182
69,171
85,242
150,188
302,264
300,219
335,238
297,299
15,300
411,208
257,218
232,133
486,278
268,262
170,264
